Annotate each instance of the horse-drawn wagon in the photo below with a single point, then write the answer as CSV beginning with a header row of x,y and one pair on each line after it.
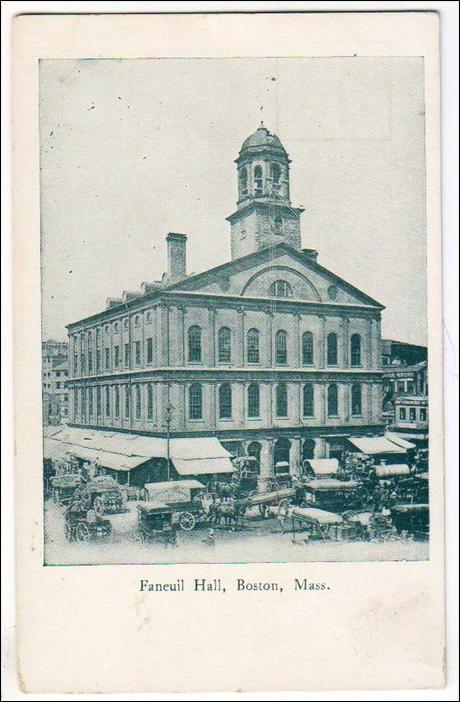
x,y
184,498
85,525
64,486
280,498
413,519
104,495
333,495
318,523
155,522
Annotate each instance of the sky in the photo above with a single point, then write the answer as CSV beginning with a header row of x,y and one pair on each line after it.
x,y
131,149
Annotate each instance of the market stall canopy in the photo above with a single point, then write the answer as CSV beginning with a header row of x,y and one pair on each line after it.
x,y
332,484
323,466
399,441
372,445
118,451
315,516
392,470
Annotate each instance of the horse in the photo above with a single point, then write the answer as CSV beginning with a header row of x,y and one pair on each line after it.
x,y
231,512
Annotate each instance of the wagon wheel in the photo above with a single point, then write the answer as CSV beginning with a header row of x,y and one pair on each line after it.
x,y
263,510
99,506
187,521
68,532
82,532
107,533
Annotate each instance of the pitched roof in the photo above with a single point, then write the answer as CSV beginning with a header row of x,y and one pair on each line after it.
x,y
245,262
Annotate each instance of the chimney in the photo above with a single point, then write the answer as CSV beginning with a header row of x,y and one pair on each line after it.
x,y
176,256
311,254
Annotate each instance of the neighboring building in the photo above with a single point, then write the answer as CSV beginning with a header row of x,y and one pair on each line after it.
x,y
411,418
400,353
271,352
55,371
405,400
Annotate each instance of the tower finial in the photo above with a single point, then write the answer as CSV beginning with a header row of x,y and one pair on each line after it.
x,y
262,124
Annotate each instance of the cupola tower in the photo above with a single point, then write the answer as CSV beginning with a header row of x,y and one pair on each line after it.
x,y
264,214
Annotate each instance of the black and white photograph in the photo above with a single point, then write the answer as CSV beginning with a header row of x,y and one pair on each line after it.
x,y
234,310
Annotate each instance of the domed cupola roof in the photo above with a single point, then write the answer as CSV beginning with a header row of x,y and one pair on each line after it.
x,y
260,140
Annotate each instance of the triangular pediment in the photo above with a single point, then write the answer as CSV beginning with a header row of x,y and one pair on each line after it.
x,y
258,274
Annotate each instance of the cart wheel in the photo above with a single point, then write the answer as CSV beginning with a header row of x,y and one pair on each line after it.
x,y
98,506
82,532
263,510
107,533
187,521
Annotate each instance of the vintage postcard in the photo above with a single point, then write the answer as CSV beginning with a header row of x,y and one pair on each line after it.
x,y
229,313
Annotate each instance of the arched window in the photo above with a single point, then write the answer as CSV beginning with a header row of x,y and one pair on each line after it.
x,y
149,401
355,344
308,400
195,394
225,401
356,400
254,450
253,400
127,401
244,181
307,349
280,288
281,451
194,344
137,320
253,352
332,401
117,401
224,343
107,401
281,400
276,173
137,393
281,346
258,187
332,349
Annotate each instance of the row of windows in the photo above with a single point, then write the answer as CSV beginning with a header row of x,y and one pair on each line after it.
x,y
95,360
108,395
137,319
224,345
413,414
224,350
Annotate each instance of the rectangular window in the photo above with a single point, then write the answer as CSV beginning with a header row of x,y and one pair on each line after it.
x,y
90,402
107,359
422,414
137,350
127,401
98,402
149,350
410,386
400,387
116,356
107,402
98,361
412,414
90,361
402,413
127,356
